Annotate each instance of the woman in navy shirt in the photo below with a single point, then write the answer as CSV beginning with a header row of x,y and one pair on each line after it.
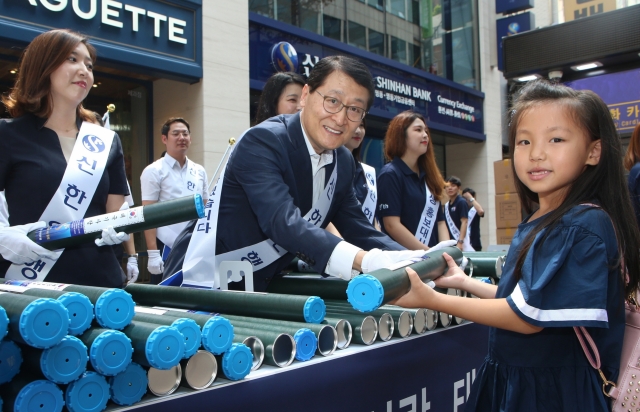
x,y
632,164
55,76
410,186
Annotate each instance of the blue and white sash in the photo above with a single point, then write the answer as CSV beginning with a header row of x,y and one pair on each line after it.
x,y
84,170
428,218
201,263
369,204
466,242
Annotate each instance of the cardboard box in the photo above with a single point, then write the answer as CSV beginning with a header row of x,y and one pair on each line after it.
x,y
503,176
504,236
508,211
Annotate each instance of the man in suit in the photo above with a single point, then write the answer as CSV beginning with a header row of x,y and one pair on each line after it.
x,y
289,176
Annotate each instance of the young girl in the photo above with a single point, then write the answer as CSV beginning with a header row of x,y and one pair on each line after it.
x,y
564,265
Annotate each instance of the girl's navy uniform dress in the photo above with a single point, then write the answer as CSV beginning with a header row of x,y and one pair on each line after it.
x,y
633,181
401,192
360,187
31,168
571,278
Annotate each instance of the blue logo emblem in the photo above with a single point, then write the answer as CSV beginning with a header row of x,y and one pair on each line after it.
x,y
284,57
514,28
93,143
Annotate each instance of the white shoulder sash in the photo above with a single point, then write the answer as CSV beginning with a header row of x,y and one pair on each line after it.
x,y
201,263
466,242
84,170
428,217
369,204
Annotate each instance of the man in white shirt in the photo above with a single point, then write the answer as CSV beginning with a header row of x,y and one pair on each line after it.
x,y
170,177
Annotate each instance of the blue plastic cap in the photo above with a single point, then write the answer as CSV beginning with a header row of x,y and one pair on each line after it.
x,y
10,360
129,386
90,393
64,362
115,309
4,323
217,335
164,348
237,362
43,323
314,310
306,344
365,293
199,205
191,333
38,396
110,352
80,311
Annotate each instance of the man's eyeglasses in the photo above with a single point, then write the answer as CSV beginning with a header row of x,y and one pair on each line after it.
x,y
333,105
178,133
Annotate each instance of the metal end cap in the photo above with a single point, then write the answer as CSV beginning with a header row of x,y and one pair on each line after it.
x,y
306,344
164,348
110,352
45,394
64,362
80,311
191,333
114,309
365,293
237,362
4,323
90,393
11,360
197,199
314,310
43,323
129,386
217,335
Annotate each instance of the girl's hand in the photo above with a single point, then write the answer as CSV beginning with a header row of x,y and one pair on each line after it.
x,y
418,296
454,278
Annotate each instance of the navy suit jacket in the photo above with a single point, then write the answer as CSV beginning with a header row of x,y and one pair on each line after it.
x,y
268,188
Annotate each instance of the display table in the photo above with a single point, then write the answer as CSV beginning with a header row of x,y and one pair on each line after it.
x,y
429,372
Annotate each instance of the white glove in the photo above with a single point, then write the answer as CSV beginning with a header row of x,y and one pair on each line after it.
x,y
378,259
155,266
442,245
110,236
17,248
132,270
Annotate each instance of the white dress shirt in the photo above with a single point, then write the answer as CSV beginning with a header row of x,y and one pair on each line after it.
x,y
343,255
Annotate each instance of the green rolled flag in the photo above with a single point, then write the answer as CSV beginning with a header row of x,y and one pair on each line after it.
x,y
364,327
113,307
485,264
157,346
26,393
368,292
296,284
286,307
38,322
188,328
132,220
280,348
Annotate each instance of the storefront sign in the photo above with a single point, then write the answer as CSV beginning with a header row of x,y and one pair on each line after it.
x,y
512,6
509,26
163,36
577,9
448,107
620,91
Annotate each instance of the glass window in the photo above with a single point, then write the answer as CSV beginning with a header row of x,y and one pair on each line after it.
x,y
399,50
332,27
309,19
378,4
398,7
376,42
415,11
415,57
263,7
283,11
357,35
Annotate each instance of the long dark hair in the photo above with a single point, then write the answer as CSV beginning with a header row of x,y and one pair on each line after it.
x,y
32,90
356,151
268,104
633,151
395,144
604,182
